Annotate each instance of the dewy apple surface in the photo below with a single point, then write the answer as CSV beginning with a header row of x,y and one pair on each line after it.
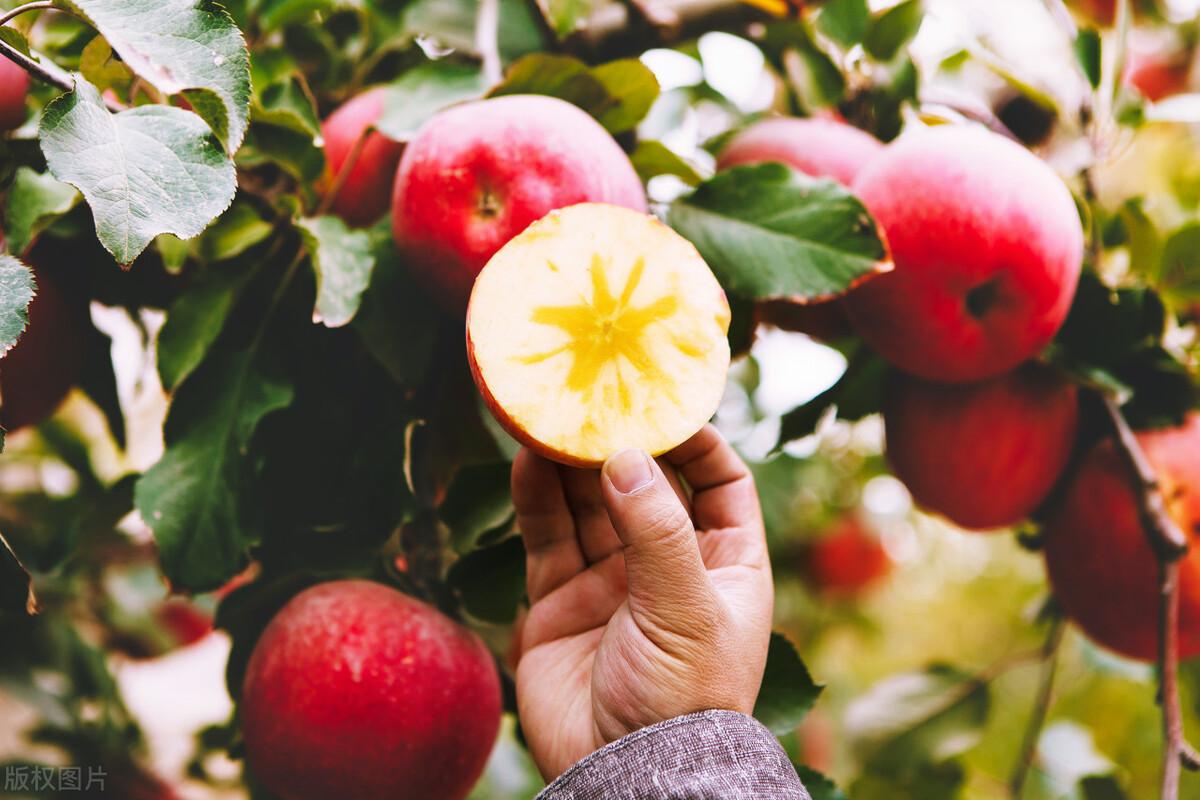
x,y
599,328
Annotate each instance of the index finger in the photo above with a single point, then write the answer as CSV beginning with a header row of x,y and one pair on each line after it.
x,y
723,493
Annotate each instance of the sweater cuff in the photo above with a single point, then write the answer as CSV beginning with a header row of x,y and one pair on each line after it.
x,y
720,755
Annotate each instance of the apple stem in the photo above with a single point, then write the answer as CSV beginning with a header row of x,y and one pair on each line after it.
x,y
1041,707
1169,544
343,174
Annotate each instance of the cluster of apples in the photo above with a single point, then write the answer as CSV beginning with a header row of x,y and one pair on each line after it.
x,y
987,247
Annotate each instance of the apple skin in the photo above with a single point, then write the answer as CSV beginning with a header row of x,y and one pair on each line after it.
x,y
477,174
37,373
1100,565
1156,69
14,85
367,191
356,690
846,559
987,246
816,146
984,455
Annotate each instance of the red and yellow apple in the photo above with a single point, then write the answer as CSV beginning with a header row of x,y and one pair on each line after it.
x,y
356,690
597,329
846,559
816,146
987,246
1104,573
820,147
477,174
37,373
366,191
14,85
984,455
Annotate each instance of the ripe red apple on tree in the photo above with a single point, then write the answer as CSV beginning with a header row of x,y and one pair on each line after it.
x,y
14,85
1157,68
478,174
1102,567
356,690
366,193
37,373
984,455
846,559
820,147
597,329
987,246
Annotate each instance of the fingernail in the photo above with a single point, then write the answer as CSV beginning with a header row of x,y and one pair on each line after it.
x,y
629,470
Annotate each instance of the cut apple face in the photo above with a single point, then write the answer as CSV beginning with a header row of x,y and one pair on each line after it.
x,y
598,329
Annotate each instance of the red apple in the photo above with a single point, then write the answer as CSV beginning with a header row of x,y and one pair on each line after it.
x,y
356,690
823,148
984,455
846,559
14,85
478,174
367,190
596,329
37,373
1157,67
987,247
1104,12
1101,566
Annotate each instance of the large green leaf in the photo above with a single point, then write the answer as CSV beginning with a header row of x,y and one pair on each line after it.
x,y
819,787
844,21
397,321
343,261
421,92
198,497
477,501
618,94
145,171
491,580
16,291
188,47
651,158
893,29
195,320
788,691
768,231
35,199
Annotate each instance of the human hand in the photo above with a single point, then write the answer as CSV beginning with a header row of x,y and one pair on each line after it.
x,y
646,603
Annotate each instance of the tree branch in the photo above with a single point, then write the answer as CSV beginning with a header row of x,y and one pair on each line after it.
x,y
19,10
1169,544
47,71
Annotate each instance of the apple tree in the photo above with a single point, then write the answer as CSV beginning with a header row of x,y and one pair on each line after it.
x,y
954,256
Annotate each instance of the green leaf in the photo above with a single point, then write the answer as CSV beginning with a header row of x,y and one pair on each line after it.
x,y
397,321
424,90
1178,277
651,158
814,76
35,200
454,23
99,382
491,580
102,69
893,29
478,500
288,105
198,498
17,289
195,320
1105,325
14,39
819,787
788,691
1101,787
188,47
618,94
343,261
1087,52
234,232
565,16
294,151
856,394
844,21
768,231
917,718
145,171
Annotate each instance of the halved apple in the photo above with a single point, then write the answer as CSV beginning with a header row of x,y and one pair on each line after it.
x,y
597,329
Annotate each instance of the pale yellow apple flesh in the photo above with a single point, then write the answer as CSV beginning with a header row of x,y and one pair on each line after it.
x,y
598,329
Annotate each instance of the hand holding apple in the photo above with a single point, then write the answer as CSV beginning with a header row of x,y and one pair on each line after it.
x,y
644,606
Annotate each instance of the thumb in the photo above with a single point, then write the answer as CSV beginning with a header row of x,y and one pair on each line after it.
x,y
668,584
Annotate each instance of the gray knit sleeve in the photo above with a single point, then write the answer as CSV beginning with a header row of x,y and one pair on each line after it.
x,y
710,755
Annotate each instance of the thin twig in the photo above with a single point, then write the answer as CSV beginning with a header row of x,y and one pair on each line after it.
x,y
487,40
1041,707
1169,544
19,10
47,71
343,174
